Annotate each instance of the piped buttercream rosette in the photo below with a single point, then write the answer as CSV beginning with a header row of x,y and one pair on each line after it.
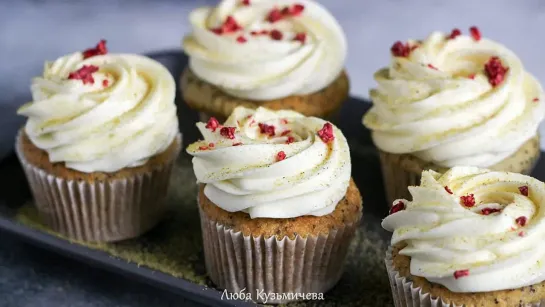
x,y
473,230
266,49
276,164
101,112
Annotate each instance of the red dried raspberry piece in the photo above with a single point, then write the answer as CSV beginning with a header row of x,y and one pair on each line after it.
x,y
521,234
521,221
105,82
276,35
229,25
535,99
228,132
266,129
241,39
487,211
203,148
432,67
280,156
468,200
212,124
397,207
326,133
290,140
211,145
495,71
475,33
301,37
285,132
297,9
524,190
455,33
284,121
448,190
293,11
461,273
85,74
401,50
237,144
274,15
472,76
246,2
98,50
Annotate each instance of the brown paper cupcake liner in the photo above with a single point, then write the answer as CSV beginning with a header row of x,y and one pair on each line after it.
x,y
406,294
269,270
400,171
100,210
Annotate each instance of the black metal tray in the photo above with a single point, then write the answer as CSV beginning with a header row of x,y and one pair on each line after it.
x,y
363,284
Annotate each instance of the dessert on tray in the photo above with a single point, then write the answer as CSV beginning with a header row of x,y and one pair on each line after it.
x,y
277,203
278,54
468,237
99,143
453,100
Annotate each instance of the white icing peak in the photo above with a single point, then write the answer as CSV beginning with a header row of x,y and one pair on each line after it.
x,y
438,104
266,50
102,113
272,164
473,230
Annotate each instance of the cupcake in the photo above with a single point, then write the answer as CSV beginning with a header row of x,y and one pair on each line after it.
x,y
277,204
99,143
278,54
453,100
469,237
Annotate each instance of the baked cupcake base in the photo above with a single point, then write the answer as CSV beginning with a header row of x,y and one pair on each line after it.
x,y
285,259
410,290
97,207
207,98
400,171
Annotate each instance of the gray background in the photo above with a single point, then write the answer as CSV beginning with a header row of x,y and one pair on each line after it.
x,y
33,31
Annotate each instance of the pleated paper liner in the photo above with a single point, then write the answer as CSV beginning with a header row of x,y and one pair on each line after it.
x,y
282,269
175,247
101,210
406,294
402,170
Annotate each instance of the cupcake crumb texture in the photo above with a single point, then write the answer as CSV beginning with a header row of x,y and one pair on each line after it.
x,y
347,211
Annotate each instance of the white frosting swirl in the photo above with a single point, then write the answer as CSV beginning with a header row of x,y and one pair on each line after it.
x,y
263,68
444,116
123,118
444,236
311,180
